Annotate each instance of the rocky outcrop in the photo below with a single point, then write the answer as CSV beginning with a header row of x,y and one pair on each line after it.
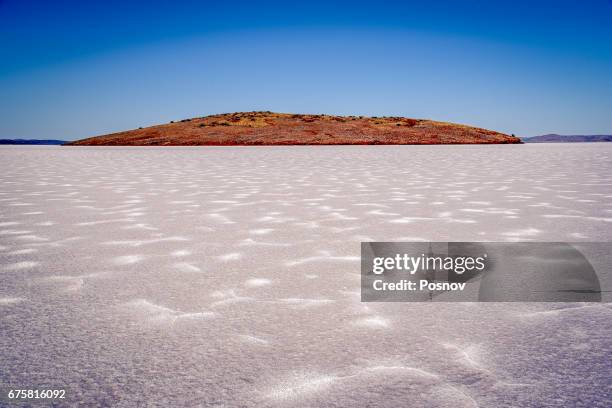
x,y
268,128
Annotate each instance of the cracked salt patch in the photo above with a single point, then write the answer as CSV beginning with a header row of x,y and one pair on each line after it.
x,y
257,282
10,300
223,276
20,265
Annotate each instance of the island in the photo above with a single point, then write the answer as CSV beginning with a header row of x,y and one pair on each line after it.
x,y
269,128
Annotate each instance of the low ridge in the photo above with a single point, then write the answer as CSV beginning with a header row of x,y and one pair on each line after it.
x,y
554,138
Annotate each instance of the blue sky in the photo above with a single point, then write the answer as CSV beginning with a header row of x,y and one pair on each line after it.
x,y
76,69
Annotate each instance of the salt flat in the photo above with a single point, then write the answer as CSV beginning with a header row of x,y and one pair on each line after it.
x,y
230,276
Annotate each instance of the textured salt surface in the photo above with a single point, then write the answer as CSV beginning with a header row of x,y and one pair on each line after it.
x,y
230,276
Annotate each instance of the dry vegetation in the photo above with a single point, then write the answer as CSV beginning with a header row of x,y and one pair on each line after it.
x,y
269,128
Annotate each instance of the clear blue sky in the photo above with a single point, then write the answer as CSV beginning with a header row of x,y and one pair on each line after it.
x,y
71,69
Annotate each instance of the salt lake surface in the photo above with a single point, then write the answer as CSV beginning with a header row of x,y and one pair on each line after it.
x,y
229,276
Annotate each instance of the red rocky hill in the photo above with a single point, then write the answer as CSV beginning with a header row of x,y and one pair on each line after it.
x,y
268,128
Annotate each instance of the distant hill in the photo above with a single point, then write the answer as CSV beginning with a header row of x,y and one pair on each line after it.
x,y
554,138
268,128
31,142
